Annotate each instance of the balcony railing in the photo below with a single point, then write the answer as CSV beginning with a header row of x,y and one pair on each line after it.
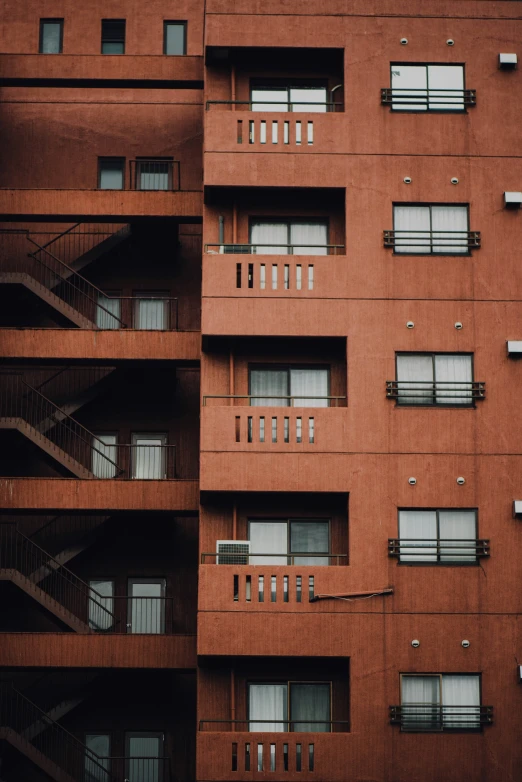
x,y
282,559
281,401
420,392
432,242
428,100
154,174
134,462
143,313
274,249
275,726
125,769
286,106
419,717
135,615
454,551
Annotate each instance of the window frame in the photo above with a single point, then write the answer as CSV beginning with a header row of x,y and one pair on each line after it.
x,y
438,562
113,40
162,581
288,368
426,65
109,580
123,161
288,222
182,23
440,676
50,20
273,83
288,521
288,683
429,205
472,403
164,436
145,734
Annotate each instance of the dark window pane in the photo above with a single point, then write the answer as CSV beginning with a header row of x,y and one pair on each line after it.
x,y
309,537
113,36
310,708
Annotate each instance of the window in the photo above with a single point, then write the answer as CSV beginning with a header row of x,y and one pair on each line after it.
x,y
153,174
96,767
174,37
108,311
280,96
434,379
113,36
438,536
101,605
427,87
148,456
104,455
111,173
283,386
151,311
303,707
440,702
146,609
145,757
437,230
289,237
51,36
289,541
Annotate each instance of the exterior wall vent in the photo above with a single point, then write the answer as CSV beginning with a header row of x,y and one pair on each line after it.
x,y
232,552
508,62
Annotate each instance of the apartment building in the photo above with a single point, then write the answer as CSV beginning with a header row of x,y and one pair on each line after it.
x,y
260,322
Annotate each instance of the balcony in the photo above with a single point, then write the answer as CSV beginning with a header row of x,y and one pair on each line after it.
x,y
421,718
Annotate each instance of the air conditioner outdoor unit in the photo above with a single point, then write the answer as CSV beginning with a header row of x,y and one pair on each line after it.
x,y
232,552
520,673
517,509
512,200
507,61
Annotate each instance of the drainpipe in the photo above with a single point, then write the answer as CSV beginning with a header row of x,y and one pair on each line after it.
x,y
221,229
233,86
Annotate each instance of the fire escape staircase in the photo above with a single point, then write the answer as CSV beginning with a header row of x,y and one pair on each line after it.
x,y
52,271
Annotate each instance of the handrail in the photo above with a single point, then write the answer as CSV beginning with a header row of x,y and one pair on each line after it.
x,y
251,103
435,716
432,241
269,396
243,248
288,723
418,96
290,558
470,549
426,390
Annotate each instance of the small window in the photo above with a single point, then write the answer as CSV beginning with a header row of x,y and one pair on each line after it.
x,y
427,87
101,605
289,237
97,764
438,229
145,759
51,36
434,379
104,455
289,542
438,702
149,457
284,386
443,537
108,311
302,707
113,36
111,173
175,38
153,173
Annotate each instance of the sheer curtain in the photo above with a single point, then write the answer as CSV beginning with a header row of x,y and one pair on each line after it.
x,y
151,314
302,98
312,537
144,763
268,702
409,82
266,383
416,691
101,605
442,80
309,383
412,368
455,375
104,456
310,708
269,100
458,525
458,691
268,537
146,604
107,307
417,525
309,238
268,238
411,220
148,457
452,223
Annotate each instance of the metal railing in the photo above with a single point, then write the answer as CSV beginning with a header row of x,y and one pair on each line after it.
x,y
288,401
273,249
67,383
286,106
421,392
127,769
19,553
428,99
64,531
134,615
283,726
438,550
283,559
432,242
51,425
82,238
435,717
154,174
135,462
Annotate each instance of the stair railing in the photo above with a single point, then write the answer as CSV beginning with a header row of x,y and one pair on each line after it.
x,y
80,238
63,531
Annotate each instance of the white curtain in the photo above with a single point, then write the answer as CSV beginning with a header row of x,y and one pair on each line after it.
x,y
310,708
417,691
312,537
269,100
458,525
458,692
451,223
415,379
268,537
409,82
96,766
309,238
146,766
268,702
147,607
415,225
454,374
151,314
101,605
309,383
442,80
148,457
106,309
153,175
267,383
104,456
302,98
269,238
418,525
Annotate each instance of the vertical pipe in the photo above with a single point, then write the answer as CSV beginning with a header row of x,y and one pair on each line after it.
x,y
232,697
221,223
231,379
233,86
234,223
234,521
